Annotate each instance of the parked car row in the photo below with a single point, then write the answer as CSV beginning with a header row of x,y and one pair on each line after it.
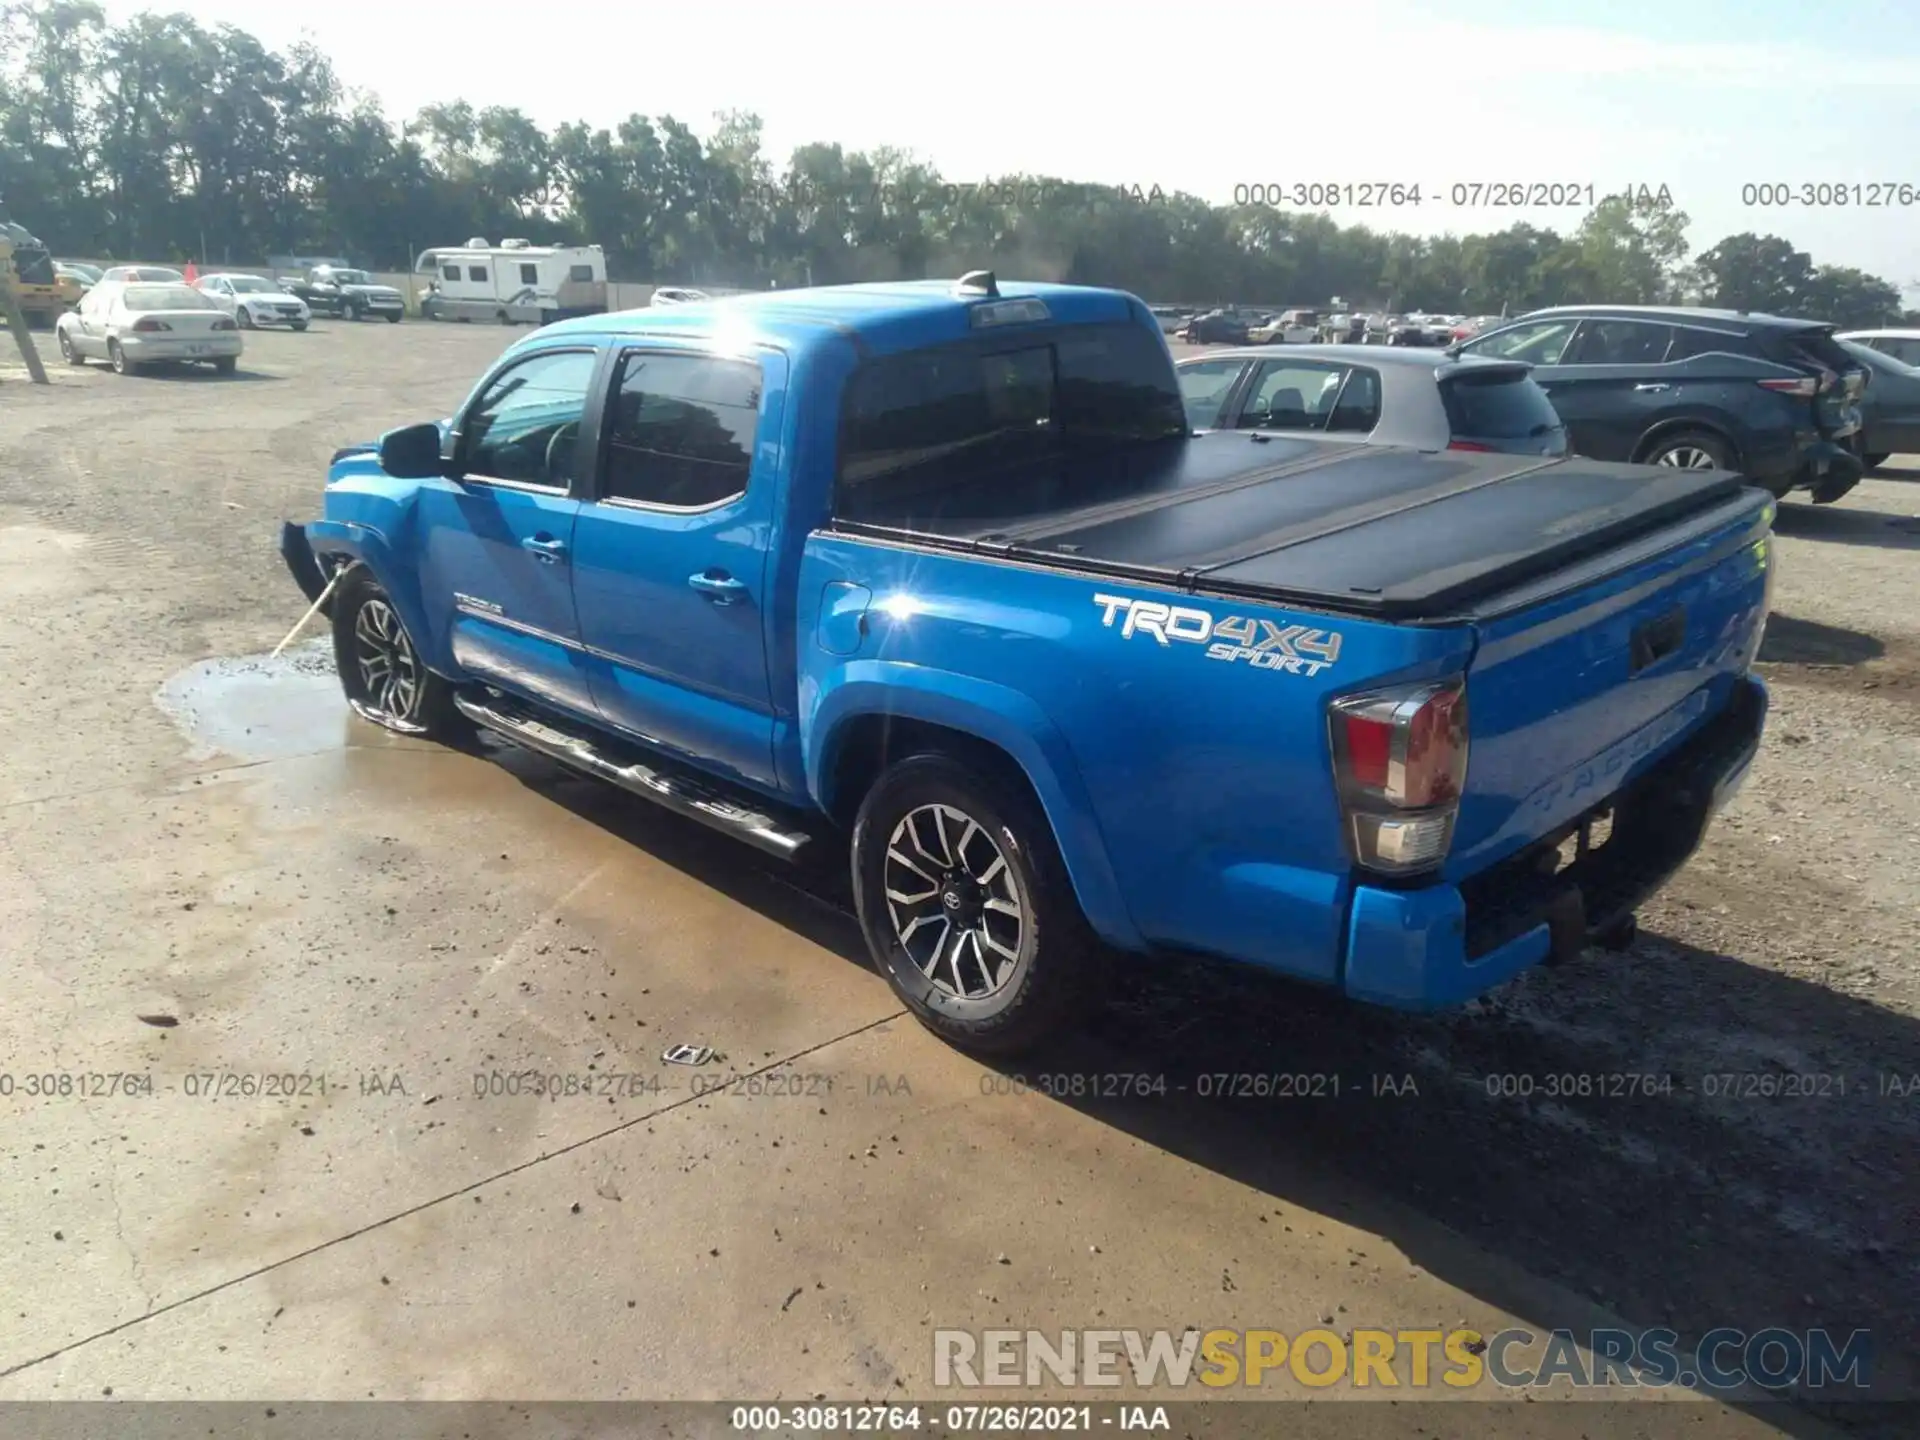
x,y
1236,325
1784,401
253,300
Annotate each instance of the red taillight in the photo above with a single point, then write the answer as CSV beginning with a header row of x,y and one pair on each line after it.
x,y
1369,748
1473,445
1806,386
148,325
1400,763
1436,737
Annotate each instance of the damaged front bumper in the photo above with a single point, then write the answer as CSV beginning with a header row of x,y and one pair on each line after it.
x,y
297,550
1440,945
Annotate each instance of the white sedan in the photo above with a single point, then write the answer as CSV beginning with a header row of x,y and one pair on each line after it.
x,y
253,302
133,326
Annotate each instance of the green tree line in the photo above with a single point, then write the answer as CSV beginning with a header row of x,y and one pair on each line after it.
x,y
164,139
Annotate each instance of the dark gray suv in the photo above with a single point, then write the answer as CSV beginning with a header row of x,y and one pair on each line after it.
x,y
1772,397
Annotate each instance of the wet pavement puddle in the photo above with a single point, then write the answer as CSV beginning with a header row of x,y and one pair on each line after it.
x,y
253,708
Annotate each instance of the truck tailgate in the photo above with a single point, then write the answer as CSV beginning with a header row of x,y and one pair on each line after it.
x,y
1587,678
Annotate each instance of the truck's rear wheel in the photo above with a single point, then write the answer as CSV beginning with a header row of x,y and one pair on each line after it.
x,y
384,679
966,907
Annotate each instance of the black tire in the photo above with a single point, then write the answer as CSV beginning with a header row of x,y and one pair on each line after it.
x,y
501,316
350,311
118,359
226,365
394,319
244,316
68,353
999,851
415,701
299,325
1682,449
1874,462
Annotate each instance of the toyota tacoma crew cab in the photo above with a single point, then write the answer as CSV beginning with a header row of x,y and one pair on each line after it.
x,y
932,580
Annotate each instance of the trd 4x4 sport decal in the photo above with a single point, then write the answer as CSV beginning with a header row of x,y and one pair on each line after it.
x,y
1292,649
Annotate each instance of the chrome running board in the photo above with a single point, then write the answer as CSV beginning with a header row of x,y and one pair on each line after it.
x,y
697,799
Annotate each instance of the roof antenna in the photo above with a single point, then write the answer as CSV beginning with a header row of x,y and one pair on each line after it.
x,y
978,282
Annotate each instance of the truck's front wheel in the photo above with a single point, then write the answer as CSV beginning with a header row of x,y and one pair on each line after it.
x,y
966,907
382,674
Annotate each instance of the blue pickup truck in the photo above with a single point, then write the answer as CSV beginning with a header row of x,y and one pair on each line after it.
x,y
932,578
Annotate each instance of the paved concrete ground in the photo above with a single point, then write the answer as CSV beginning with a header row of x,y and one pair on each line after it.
x,y
208,870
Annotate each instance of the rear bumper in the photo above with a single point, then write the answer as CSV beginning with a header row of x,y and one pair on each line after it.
x,y
1832,469
142,349
1434,947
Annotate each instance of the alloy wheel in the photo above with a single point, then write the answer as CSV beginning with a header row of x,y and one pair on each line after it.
x,y
953,903
1687,457
389,670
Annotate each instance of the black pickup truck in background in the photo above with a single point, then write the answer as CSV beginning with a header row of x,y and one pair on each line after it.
x,y
349,294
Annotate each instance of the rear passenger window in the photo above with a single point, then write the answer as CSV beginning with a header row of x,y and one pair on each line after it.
x,y
1297,396
681,432
477,272
1688,343
1620,342
1357,410
450,272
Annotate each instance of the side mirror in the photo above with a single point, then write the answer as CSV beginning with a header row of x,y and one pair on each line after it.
x,y
412,452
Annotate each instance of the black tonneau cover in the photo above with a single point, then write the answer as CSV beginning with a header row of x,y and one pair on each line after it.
x,y
1401,534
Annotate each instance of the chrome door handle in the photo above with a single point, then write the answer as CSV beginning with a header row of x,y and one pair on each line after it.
x,y
718,586
1659,385
545,547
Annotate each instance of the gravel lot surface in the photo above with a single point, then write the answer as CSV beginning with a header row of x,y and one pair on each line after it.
x,y
1721,1128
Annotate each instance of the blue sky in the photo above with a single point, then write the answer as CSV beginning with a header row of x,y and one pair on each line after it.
x,y
1702,96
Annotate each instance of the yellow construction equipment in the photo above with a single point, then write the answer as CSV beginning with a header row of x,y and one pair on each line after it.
x,y
41,293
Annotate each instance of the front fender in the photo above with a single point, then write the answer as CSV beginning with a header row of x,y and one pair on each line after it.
x,y
999,716
339,542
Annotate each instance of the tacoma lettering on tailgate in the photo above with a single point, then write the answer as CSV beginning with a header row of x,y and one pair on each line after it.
x,y
1263,644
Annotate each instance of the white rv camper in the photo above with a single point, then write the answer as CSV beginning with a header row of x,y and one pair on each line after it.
x,y
512,283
